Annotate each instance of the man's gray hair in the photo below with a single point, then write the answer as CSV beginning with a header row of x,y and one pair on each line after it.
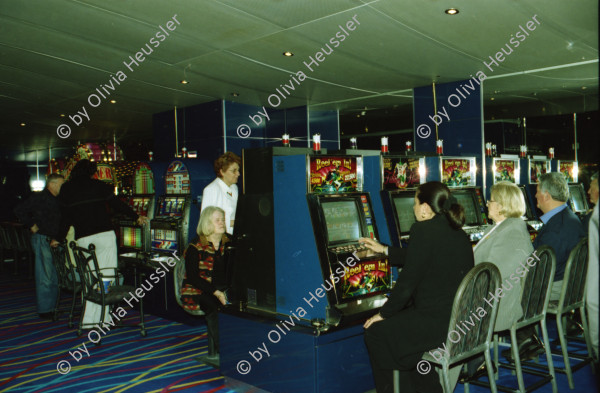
x,y
555,184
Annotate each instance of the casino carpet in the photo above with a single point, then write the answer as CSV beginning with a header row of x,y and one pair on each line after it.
x,y
163,361
30,349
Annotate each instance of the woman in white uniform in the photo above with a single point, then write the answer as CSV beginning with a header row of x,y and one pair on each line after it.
x,y
223,191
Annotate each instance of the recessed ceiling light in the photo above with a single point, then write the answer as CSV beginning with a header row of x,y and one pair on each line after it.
x,y
451,11
235,94
183,82
62,115
583,87
113,101
492,98
288,54
22,124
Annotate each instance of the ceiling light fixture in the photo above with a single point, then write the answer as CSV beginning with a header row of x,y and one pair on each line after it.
x,y
288,54
22,124
451,11
113,101
62,115
235,94
183,82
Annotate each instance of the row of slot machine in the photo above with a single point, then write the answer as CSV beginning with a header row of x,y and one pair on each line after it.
x,y
169,213
296,255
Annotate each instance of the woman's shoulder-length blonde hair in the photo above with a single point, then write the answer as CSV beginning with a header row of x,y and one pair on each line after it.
x,y
510,197
205,226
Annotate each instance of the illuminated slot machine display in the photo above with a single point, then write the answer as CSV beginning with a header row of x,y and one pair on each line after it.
x,y
459,174
169,227
134,237
297,259
534,168
400,177
577,195
340,214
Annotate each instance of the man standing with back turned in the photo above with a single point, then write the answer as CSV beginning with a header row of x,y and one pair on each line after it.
x,y
41,214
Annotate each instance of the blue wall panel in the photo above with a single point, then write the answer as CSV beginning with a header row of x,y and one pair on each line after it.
x,y
327,124
238,136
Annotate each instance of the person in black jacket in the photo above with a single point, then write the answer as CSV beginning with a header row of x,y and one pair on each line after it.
x,y
416,316
85,203
205,281
41,214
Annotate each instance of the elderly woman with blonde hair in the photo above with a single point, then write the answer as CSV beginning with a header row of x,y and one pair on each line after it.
x,y
205,282
506,244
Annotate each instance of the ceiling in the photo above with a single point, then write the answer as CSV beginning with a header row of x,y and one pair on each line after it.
x,y
55,53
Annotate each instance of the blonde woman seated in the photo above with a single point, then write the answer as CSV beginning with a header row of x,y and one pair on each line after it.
x,y
506,245
205,282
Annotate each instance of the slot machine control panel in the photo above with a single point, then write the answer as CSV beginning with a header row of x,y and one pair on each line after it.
x,y
535,224
475,233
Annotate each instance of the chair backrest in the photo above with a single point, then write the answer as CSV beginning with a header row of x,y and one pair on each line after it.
x,y
472,320
537,285
573,289
178,276
88,268
63,265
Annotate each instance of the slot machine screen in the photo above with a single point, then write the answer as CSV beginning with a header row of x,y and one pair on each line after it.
x,y
131,237
342,220
466,199
528,212
577,198
404,212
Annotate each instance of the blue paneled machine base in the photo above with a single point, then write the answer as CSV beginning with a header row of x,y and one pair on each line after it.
x,y
299,361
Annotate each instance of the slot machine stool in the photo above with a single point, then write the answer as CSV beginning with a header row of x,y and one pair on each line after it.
x,y
213,357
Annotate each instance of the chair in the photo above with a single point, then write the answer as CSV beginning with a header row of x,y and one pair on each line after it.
x,y
535,295
10,243
67,280
93,289
572,297
472,293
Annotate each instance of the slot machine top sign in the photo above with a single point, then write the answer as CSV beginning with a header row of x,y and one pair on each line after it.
x,y
333,174
458,171
536,169
506,170
401,172
177,179
143,179
570,170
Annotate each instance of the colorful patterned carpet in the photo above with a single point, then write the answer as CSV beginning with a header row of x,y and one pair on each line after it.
x,y
32,350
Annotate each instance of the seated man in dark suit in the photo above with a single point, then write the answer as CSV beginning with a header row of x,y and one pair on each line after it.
x,y
562,231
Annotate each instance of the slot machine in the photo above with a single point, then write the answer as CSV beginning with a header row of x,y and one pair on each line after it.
x,y
400,177
134,237
169,227
577,195
297,259
459,174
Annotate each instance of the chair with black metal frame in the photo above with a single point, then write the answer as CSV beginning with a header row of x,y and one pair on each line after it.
x,y
67,278
91,276
24,249
471,294
535,295
572,297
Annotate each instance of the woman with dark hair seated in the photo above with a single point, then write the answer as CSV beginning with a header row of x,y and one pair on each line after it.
x,y
205,279
416,316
